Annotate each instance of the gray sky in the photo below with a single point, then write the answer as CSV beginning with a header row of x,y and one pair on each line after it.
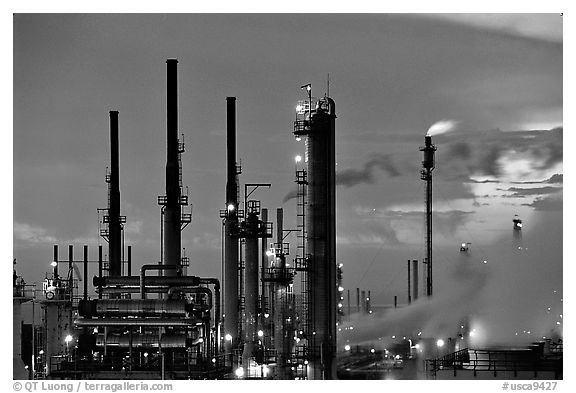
x,y
498,77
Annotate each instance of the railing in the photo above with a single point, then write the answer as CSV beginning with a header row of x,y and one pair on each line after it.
x,y
494,361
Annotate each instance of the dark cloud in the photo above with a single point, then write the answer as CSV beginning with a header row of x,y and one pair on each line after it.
x,y
352,177
555,179
550,203
521,192
481,152
459,150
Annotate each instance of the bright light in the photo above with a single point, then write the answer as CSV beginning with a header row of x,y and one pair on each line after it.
x,y
260,333
419,333
440,343
298,158
239,372
145,354
228,337
230,207
298,139
417,346
213,360
347,347
341,265
265,370
41,352
68,339
270,253
53,263
299,108
519,225
485,261
340,289
472,333
463,245
308,87
372,350
266,315
339,305
95,330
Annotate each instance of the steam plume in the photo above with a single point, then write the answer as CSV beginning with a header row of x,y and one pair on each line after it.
x,y
442,127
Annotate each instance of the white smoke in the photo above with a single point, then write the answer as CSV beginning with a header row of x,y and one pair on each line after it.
x,y
442,127
507,300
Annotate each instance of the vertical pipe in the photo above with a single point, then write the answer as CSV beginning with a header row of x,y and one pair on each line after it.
x,y
100,271
282,333
263,261
368,301
55,259
172,239
114,224
349,311
415,279
71,270
85,272
129,260
231,299
358,300
409,291
129,267
395,301
251,288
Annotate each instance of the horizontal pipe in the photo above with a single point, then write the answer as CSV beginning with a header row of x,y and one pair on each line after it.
x,y
185,281
147,341
144,322
143,270
125,307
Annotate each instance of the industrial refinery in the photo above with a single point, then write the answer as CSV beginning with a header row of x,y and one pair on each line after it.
x,y
284,304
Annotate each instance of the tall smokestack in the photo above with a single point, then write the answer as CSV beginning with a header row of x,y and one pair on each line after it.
x,y
171,217
415,280
114,224
409,278
231,300
426,175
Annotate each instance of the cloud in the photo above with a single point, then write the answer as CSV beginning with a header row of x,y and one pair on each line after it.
x,y
32,234
547,27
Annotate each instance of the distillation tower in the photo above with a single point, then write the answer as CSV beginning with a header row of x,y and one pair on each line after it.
x,y
317,125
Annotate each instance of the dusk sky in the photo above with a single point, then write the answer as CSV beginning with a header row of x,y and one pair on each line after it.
x,y
497,79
